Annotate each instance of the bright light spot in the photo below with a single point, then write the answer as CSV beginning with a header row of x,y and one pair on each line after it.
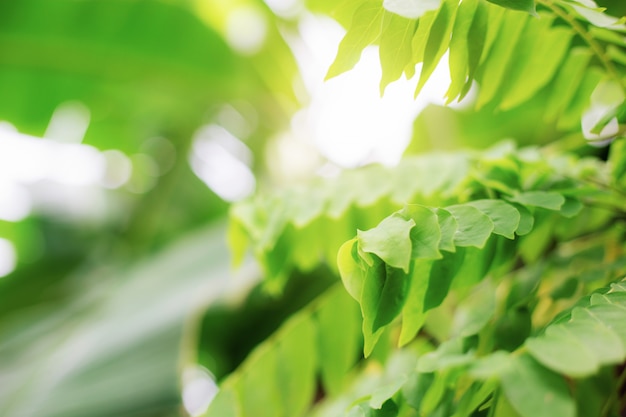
x,y
234,122
349,122
8,257
292,159
604,98
75,164
285,8
221,161
15,202
144,174
229,142
23,158
118,169
199,389
69,123
246,29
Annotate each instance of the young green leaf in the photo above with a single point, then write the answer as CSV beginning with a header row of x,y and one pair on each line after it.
x,y
448,226
350,270
482,24
505,218
474,227
500,57
459,48
438,41
364,30
395,47
540,55
545,199
390,241
567,81
426,235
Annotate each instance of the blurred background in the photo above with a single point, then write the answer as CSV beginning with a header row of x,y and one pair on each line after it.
x,y
127,128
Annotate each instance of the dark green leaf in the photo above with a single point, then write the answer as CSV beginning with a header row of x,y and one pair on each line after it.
x,y
441,274
393,296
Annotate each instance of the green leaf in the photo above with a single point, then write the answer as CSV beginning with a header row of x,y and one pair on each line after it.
x,y
395,47
526,222
224,404
392,297
459,48
522,5
364,30
426,236
617,161
350,270
413,313
474,227
370,300
448,226
534,391
255,390
545,199
411,9
338,344
438,41
473,313
416,388
567,81
297,366
420,37
505,218
500,57
390,241
540,55
442,273
563,353
478,32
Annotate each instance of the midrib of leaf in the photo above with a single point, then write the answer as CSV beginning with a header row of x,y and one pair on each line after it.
x,y
588,38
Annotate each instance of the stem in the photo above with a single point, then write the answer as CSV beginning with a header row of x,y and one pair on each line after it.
x,y
588,38
606,410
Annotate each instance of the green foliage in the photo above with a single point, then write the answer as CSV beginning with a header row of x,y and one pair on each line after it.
x,y
513,56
